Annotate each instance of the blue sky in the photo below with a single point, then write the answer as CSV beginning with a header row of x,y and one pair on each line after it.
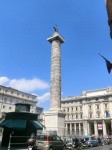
x,y
25,53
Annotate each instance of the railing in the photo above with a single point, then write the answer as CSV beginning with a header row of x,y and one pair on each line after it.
x,y
20,141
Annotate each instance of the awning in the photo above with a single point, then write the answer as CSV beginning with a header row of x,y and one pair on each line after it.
x,y
14,124
36,124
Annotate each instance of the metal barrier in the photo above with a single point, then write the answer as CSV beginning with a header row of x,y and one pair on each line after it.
x,y
15,141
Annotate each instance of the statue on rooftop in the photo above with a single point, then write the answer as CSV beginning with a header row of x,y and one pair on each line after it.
x,y
56,28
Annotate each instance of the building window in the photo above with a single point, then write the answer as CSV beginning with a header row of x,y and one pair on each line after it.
x,y
68,109
90,107
76,116
11,92
81,116
10,108
98,114
80,102
90,115
80,108
6,91
97,106
17,93
72,108
33,98
10,100
4,106
76,108
105,105
5,99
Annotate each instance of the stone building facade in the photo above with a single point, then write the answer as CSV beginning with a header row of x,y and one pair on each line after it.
x,y
10,96
88,114
39,112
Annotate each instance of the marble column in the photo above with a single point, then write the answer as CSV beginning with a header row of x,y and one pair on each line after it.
x,y
70,129
88,128
104,128
55,81
75,128
66,129
79,129
111,126
95,128
85,127
55,117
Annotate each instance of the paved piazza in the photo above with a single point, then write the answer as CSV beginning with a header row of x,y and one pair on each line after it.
x,y
105,147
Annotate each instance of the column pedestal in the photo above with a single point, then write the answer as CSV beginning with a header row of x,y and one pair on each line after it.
x,y
55,121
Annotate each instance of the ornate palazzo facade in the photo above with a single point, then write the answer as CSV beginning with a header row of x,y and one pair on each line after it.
x,y
88,114
10,96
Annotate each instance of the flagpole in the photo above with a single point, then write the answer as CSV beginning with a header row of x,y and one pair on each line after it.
x,y
108,63
101,55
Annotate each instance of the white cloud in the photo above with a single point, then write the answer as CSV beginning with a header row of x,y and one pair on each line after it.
x,y
44,97
27,85
3,80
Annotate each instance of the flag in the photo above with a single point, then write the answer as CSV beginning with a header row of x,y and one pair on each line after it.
x,y
108,63
107,114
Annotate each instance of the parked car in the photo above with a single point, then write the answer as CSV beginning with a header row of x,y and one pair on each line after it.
x,y
91,141
49,142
